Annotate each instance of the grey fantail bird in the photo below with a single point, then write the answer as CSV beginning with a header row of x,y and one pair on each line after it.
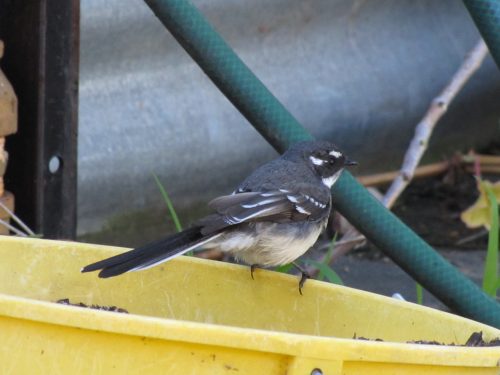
x,y
273,217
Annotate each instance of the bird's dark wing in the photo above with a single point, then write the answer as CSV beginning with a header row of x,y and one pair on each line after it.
x,y
300,203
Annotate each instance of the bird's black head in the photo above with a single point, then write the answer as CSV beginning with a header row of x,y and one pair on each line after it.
x,y
323,157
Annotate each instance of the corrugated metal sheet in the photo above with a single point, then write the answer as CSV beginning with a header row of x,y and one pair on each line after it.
x,y
358,72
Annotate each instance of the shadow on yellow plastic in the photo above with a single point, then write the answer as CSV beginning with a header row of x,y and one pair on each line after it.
x,y
193,316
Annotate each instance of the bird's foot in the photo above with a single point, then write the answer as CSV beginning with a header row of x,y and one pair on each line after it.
x,y
303,278
253,267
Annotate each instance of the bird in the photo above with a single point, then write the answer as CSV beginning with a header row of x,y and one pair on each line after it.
x,y
272,218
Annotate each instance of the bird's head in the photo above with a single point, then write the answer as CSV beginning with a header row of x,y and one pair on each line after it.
x,y
324,158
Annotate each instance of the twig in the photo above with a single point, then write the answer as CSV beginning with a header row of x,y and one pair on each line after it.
x,y
354,240
488,163
16,219
386,177
436,110
487,159
12,228
472,237
483,168
420,140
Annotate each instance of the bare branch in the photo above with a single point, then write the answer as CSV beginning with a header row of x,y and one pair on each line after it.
x,y
488,163
12,228
419,143
386,177
16,219
436,110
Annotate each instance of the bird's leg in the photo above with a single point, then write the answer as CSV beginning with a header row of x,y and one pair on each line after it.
x,y
303,277
252,269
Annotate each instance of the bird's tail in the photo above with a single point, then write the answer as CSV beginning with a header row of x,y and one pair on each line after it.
x,y
151,254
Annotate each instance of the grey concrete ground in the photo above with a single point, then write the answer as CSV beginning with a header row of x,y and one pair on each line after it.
x,y
384,277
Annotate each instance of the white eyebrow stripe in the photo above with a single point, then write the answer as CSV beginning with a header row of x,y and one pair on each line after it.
x,y
336,153
316,161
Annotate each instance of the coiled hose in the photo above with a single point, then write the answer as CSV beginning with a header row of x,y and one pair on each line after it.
x,y
281,129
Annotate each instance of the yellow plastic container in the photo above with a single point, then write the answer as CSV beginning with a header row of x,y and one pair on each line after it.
x,y
192,316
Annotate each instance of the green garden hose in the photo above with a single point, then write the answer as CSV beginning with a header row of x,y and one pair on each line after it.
x,y
486,15
281,129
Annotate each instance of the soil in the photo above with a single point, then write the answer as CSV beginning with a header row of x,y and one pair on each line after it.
x,y
65,301
432,208
475,340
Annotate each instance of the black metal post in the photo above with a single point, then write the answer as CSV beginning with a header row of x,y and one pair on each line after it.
x,y
41,61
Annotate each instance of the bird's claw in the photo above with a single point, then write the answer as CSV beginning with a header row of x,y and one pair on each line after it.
x,y
252,269
303,280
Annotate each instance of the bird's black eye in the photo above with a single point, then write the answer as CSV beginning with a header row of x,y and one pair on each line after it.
x,y
331,161
320,154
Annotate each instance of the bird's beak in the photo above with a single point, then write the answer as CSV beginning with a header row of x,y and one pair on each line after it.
x,y
349,163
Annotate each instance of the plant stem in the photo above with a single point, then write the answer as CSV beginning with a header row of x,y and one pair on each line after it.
x,y
420,294
169,204
490,275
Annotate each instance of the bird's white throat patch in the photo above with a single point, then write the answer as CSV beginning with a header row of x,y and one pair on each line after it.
x,y
316,161
329,181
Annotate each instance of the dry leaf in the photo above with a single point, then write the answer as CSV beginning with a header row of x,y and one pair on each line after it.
x,y
479,214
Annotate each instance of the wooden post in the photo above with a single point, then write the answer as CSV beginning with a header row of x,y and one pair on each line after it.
x,y
8,126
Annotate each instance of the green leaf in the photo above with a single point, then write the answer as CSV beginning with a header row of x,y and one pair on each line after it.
x,y
284,268
328,257
490,276
323,268
329,253
169,204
